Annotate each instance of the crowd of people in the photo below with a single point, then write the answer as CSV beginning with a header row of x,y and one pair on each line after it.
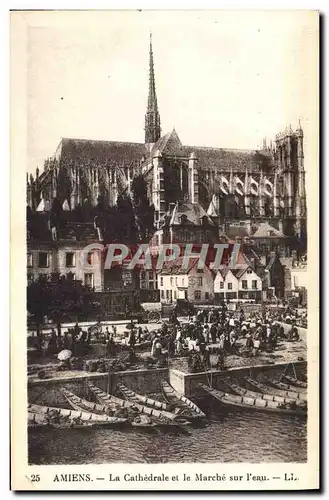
x,y
232,332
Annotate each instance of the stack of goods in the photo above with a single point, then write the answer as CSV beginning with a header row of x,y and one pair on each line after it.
x,y
103,365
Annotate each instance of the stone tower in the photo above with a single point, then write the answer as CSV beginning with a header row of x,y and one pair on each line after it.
x,y
290,165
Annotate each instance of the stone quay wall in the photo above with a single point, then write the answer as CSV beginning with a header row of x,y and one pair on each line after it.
x,y
47,392
187,383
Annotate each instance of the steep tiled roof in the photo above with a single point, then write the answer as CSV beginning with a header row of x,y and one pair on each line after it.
x,y
175,267
239,160
105,152
102,152
194,213
168,143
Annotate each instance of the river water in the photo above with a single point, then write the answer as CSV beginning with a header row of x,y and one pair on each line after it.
x,y
240,436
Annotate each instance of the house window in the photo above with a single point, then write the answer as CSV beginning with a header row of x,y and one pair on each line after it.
x,y
221,285
171,281
143,275
244,284
249,271
161,281
162,294
206,295
176,281
90,258
89,280
199,281
199,270
254,284
229,286
175,294
197,294
70,259
167,294
43,260
29,260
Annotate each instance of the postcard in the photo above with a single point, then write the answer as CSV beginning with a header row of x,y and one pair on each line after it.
x,y
164,270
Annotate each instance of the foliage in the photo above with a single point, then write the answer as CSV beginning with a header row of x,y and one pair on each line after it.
x,y
56,296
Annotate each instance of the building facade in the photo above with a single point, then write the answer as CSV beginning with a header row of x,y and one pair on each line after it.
x,y
254,186
192,284
242,284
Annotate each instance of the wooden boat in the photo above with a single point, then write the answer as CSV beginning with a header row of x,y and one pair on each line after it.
x,y
241,391
266,389
75,414
294,382
181,402
286,387
164,416
245,402
36,420
138,398
81,404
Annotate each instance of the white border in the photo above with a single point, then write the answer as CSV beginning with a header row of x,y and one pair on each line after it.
x,y
98,4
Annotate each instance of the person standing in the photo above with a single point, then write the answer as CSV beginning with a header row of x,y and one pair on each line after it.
x,y
213,333
206,333
132,340
222,341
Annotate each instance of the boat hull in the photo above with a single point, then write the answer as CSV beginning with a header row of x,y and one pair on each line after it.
x,y
140,399
163,417
266,389
78,414
193,412
294,382
248,403
241,391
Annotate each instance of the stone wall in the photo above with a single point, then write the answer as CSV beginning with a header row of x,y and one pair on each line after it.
x,y
47,392
187,383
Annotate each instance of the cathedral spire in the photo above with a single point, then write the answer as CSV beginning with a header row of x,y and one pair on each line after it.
x,y
152,116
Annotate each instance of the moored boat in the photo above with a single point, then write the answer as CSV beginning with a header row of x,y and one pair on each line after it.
x,y
191,410
82,416
242,391
285,387
294,382
164,416
81,404
266,389
139,398
36,420
245,402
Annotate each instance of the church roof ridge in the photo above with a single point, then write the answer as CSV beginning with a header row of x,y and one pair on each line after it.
x,y
77,139
217,148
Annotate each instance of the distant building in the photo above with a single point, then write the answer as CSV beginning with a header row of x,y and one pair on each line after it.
x,y
238,284
231,185
193,284
64,256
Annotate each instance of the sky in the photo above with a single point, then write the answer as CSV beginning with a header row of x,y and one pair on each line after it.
x,y
223,78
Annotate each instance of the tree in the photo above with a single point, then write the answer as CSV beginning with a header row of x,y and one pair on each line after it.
x,y
144,211
56,297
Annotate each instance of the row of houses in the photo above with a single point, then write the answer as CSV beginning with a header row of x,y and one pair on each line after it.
x,y
205,285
